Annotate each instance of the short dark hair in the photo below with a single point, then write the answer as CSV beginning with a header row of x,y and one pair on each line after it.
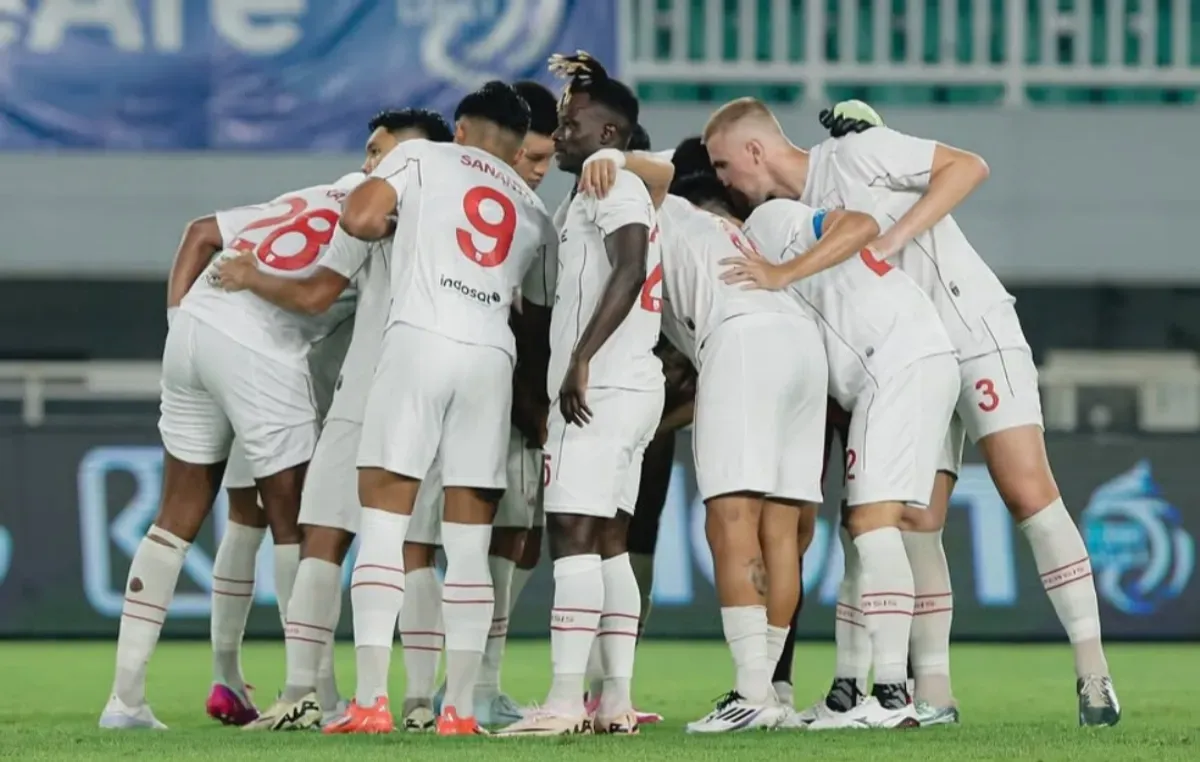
x,y
703,188
499,103
429,122
587,76
639,139
691,157
543,106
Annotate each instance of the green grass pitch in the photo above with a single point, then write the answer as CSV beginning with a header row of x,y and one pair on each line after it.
x,y
1018,703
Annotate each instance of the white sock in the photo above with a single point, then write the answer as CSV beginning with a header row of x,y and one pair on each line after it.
x,y
328,694
287,566
1066,569
887,602
574,619
618,634
933,612
376,595
850,631
148,593
232,597
493,655
594,677
520,578
746,633
776,640
421,633
312,614
643,572
468,602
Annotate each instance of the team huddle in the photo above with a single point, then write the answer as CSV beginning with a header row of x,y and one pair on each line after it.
x,y
421,355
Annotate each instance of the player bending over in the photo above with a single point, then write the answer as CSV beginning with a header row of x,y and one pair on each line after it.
x,y
232,363
330,509
891,364
760,405
468,230
607,387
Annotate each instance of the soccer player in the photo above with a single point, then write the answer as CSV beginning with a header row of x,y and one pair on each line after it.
x,y
329,504
891,364
760,407
608,390
232,363
517,522
917,183
468,230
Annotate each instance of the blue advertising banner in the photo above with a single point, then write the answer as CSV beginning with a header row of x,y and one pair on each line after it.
x,y
264,74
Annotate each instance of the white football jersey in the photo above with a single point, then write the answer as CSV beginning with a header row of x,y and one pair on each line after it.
x,y
895,169
467,232
875,319
695,298
288,237
367,266
627,359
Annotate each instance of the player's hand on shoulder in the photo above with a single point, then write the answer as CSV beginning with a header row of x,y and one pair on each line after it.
x,y
572,396
599,173
753,271
234,274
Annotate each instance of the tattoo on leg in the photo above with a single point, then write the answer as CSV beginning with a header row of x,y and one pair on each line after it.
x,y
758,575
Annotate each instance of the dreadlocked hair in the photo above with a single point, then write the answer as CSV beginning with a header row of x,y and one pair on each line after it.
x,y
584,74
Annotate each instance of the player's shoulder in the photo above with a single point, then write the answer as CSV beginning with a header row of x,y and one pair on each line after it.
x,y
628,187
872,141
777,221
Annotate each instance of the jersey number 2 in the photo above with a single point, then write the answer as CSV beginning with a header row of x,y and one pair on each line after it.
x,y
295,221
501,231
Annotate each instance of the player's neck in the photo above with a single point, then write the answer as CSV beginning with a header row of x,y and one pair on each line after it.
x,y
790,172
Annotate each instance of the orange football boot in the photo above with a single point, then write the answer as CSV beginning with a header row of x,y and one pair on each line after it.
x,y
369,720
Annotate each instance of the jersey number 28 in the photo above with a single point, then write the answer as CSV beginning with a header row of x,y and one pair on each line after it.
x,y
298,220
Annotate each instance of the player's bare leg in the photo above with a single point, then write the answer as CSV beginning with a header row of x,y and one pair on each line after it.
x,y
422,634
887,603
229,701
188,492
1019,467
933,606
781,678
733,525
377,595
468,601
280,494
779,535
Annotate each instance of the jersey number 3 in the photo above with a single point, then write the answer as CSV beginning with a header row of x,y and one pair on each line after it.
x,y
298,220
501,231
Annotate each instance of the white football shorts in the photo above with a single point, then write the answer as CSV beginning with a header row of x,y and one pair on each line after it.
x,y
212,387
760,408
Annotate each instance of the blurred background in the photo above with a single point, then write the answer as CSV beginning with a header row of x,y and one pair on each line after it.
x,y
121,120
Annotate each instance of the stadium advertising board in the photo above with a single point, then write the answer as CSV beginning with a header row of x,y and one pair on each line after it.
x,y
77,500
264,74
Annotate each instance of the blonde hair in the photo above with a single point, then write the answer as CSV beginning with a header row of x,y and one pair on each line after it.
x,y
739,110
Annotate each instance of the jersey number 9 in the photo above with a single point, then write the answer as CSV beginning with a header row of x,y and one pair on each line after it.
x,y
501,231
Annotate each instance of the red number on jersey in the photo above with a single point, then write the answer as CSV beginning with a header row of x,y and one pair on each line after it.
x,y
991,400
501,231
299,222
878,266
851,459
650,302
744,245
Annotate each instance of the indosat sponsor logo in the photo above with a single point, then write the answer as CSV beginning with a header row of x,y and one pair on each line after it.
x,y
470,292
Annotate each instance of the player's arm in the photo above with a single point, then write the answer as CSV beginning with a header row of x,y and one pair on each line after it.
x,y
840,234
369,212
312,295
944,175
626,248
531,329
600,172
201,240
